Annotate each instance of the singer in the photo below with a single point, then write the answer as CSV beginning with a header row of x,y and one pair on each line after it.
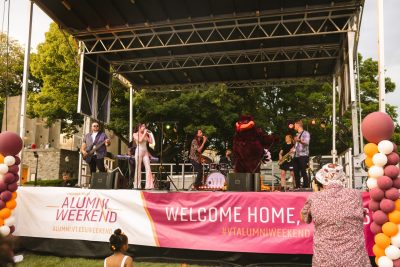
x,y
142,136
196,148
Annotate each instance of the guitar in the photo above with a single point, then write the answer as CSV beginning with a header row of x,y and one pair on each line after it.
x,y
91,149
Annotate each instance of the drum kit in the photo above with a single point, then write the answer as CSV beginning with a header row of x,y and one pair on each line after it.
x,y
215,176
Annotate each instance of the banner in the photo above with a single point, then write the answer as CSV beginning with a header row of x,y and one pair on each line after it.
x,y
219,221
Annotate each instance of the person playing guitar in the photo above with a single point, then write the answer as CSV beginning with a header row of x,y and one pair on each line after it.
x,y
94,149
196,148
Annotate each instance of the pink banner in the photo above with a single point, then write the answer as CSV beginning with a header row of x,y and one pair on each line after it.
x,y
227,221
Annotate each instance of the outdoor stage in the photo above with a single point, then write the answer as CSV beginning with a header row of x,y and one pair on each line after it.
x,y
185,225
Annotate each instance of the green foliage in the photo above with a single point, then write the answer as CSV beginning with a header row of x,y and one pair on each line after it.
x,y
57,182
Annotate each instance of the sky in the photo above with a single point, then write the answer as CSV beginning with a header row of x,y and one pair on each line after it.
x,y
367,46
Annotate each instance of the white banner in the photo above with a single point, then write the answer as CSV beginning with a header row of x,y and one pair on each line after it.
x,y
82,214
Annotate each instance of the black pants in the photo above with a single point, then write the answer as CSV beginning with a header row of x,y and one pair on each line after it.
x,y
199,169
99,163
300,165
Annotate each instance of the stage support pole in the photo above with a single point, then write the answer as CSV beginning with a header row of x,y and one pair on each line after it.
x,y
334,152
381,58
25,81
130,113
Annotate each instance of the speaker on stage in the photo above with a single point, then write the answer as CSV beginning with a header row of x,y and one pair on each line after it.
x,y
241,182
102,180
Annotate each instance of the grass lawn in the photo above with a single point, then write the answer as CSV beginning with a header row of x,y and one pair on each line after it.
x,y
33,260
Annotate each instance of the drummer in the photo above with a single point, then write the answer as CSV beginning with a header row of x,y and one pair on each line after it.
x,y
227,159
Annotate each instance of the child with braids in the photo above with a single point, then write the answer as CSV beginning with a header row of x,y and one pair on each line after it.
x,y
118,245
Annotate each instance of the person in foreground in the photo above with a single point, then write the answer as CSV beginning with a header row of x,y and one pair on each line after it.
x,y
118,245
338,216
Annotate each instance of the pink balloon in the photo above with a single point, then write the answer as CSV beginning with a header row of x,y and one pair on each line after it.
x,y
380,217
393,158
396,183
387,205
10,143
394,147
3,186
392,194
385,182
377,126
373,205
5,195
12,187
375,228
9,178
396,263
377,194
391,171
14,169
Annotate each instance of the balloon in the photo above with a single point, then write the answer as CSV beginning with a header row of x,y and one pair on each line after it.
x,y
14,195
12,229
375,171
11,221
370,149
3,168
381,240
17,160
372,183
12,187
5,195
394,217
373,205
395,240
377,194
375,228
9,160
5,213
2,204
11,143
1,158
380,217
385,261
393,158
391,171
9,178
376,126
392,194
4,230
394,147
3,186
378,251
385,182
379,159
14,169
387,205
396,183
11,204
390,229
385,147
368,162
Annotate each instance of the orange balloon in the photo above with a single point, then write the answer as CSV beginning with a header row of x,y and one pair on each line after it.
x,y
397,204
370,149
378,251
1,158
1,222
14,195
376,260
389,229
394,216
368,162
5,213
382,240
11,204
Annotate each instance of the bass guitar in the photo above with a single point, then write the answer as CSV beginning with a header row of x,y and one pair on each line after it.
x,y
90,151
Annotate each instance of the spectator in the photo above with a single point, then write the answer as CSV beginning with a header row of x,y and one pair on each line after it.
x,y
67,182
6,251
118,245
338,217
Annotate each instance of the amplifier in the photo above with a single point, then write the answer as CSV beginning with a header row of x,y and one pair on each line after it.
x,y
241,182
102,180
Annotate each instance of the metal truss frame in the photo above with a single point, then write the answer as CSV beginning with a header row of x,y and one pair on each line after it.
x,y
229,58
237,28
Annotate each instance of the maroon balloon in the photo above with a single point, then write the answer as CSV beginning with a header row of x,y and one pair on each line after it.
x,y
392,158
6,195
10,143
3,186
392,194
12,187
385,182
375,228
377,126
9,178
17,160
12,229
14,169
387,205
377,194
396,183
391,171
394,147
373,205
380,217
16,178
2,204
396,263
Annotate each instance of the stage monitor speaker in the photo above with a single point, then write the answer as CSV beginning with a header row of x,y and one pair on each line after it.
x,y
102,180
241,182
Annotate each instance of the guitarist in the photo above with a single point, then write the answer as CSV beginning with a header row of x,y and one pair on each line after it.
x,y
301,156
95,153
287,148
196,148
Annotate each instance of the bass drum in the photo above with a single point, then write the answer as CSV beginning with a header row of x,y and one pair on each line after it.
x,y
216,180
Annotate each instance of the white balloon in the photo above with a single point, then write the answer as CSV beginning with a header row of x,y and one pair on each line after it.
x,y
385,147
385,262
372,182
9,160
392,252
10,221
375,171
4,230
395,240
3,168
379,159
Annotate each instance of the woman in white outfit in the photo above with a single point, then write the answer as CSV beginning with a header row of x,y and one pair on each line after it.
x,y
142,137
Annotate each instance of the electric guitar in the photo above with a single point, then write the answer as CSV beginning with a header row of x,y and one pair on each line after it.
x,y
90,151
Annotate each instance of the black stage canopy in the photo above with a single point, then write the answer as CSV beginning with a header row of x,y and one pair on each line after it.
x,y
158,43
